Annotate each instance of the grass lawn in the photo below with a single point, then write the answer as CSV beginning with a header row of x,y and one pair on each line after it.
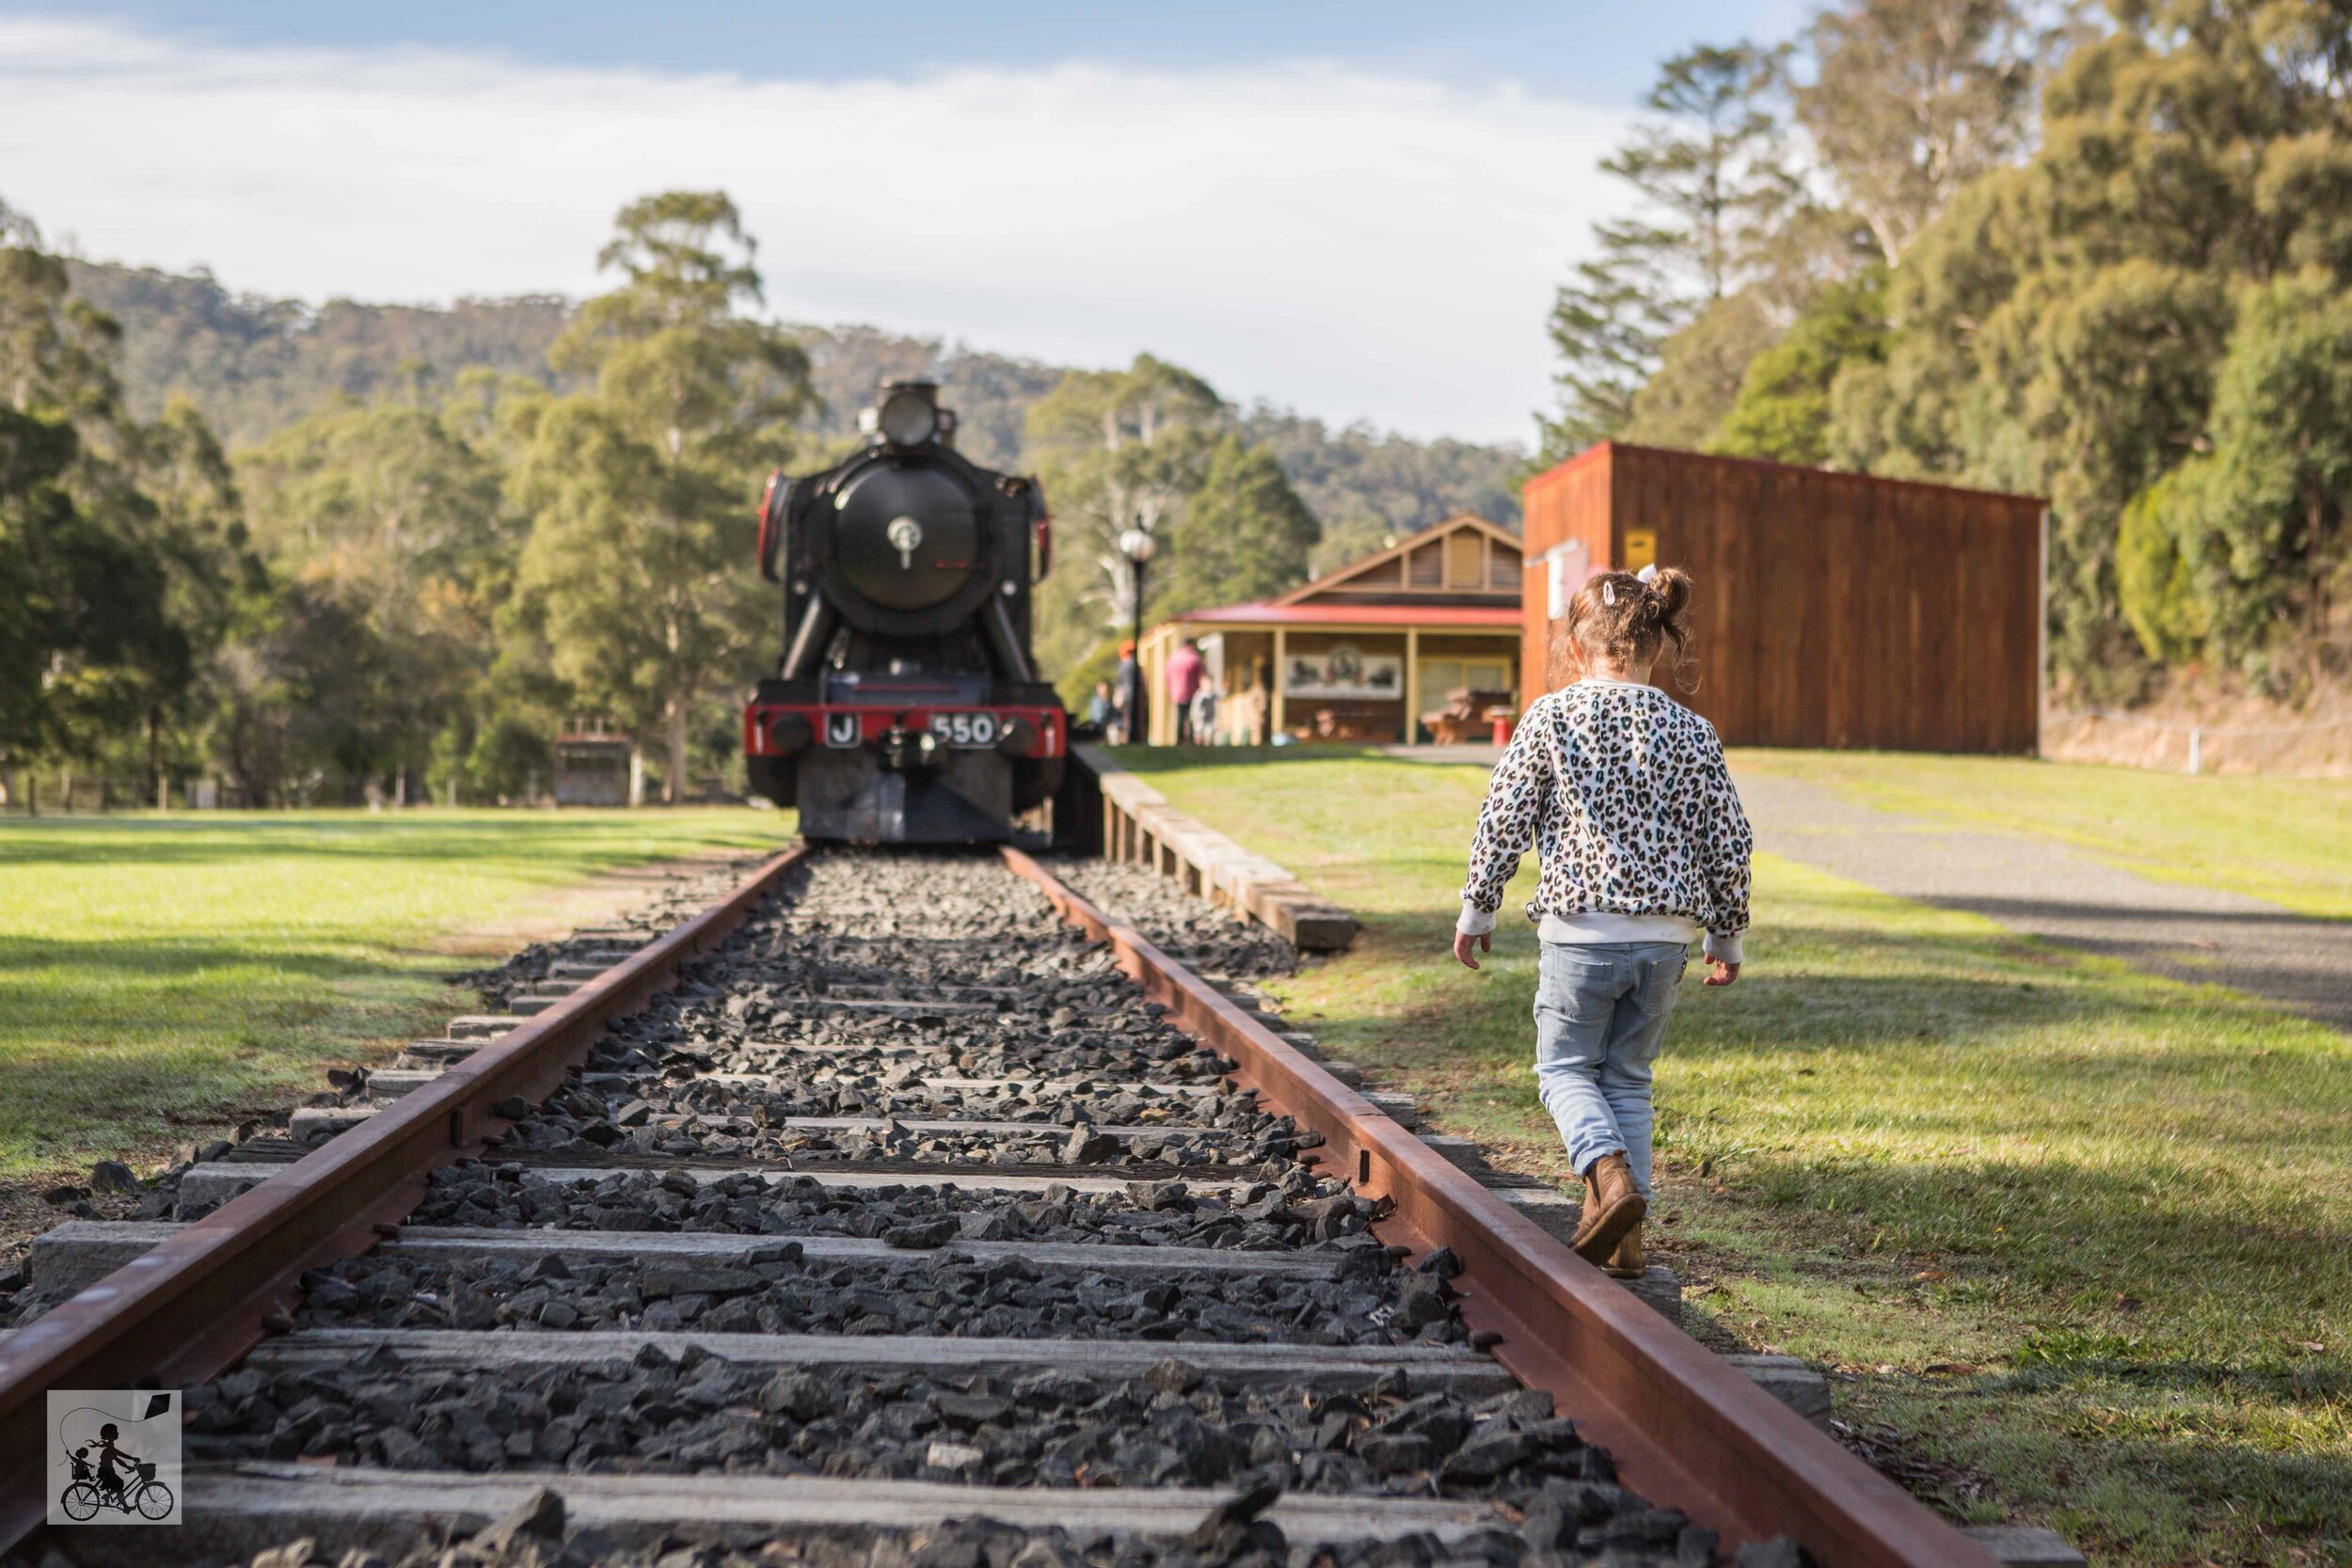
x,y
2080,1238
162,976
2288,840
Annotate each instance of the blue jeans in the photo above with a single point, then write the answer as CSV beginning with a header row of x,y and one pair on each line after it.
x,y
1600,1016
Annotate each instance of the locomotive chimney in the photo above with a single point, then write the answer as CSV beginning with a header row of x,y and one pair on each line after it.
x,y
906,414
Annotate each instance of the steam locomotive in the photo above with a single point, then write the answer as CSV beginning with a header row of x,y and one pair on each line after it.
x,y
907,708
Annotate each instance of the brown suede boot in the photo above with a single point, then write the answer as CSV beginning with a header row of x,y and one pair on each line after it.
x,y
1613,1206
1627,1263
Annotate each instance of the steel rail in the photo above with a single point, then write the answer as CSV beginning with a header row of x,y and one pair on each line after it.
x,y
1685,1429
189,1308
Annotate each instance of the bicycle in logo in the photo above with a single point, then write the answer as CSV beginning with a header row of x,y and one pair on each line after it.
x,y
88,1491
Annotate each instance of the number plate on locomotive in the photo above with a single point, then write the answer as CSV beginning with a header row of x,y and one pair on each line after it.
x,y
966,729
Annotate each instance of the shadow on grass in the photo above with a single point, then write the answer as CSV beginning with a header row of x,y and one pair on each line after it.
x,y
1800,1009
553,846
96,963
2146,1474
2087,1235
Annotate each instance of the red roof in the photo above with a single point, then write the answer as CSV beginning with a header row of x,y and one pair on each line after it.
x,y
1363,614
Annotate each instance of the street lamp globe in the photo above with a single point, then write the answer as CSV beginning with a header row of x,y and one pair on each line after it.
x,y
1137,546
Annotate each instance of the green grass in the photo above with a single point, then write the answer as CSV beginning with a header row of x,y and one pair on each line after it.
x,y
2288,840
161,976
2080,1238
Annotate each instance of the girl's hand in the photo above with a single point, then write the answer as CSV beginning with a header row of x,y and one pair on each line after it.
x,y
1723,975
1464,943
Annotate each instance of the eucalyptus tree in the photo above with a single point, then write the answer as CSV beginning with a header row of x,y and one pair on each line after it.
x,y
641,488
1116,449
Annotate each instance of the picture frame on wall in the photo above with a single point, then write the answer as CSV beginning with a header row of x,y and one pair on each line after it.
x,y
1344,672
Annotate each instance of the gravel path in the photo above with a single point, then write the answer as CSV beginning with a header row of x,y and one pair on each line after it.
x,y
2044,889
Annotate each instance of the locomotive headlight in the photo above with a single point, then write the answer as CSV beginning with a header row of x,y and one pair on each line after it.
x,y
907,418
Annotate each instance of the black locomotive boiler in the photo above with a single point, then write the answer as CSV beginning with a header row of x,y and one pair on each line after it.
x,y
906,708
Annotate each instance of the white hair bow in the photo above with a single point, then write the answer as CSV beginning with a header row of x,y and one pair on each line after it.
x,y
1648,574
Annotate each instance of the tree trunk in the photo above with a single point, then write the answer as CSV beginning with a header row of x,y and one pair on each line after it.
x,y
674,732
155,757
65,792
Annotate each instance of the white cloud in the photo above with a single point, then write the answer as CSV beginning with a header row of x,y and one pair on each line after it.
x,y
1357,246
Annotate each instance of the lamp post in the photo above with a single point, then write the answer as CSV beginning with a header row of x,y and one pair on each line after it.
x,y
1137,546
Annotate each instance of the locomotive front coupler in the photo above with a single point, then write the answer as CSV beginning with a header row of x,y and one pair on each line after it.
x,y
905,750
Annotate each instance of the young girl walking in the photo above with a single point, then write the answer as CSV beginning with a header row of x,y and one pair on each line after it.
x,y
1640,846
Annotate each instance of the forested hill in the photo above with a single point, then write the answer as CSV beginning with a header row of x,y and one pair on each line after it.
x,y
254,366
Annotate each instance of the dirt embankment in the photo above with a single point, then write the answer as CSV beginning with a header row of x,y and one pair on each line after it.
x,y
2230,731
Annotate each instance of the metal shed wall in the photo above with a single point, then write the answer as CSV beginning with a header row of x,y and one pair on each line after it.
x,y
1831,609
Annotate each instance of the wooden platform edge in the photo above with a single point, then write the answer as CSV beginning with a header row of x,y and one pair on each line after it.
x,y
1139,826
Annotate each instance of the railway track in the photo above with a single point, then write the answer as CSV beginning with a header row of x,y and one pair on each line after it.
x,y
899,1207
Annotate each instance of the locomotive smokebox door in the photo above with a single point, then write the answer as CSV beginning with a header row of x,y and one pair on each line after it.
x,y
905,538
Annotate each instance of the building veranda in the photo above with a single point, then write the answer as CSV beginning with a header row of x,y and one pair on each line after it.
x,y
1418,641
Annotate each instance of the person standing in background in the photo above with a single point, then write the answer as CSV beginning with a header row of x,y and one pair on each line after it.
x,y
1205,703
1183,681
1100,711
1124,688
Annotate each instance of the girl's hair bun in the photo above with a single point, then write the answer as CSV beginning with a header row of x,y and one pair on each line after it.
x,y
1628,617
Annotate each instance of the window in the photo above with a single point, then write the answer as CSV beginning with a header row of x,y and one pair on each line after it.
x,y
1440,676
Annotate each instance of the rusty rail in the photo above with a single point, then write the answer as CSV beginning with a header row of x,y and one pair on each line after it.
x,y
1685,1427
190,1308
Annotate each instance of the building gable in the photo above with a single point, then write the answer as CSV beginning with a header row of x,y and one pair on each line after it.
x,y
1462,561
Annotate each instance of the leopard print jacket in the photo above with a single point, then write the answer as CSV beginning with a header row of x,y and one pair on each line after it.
x,y
1624,793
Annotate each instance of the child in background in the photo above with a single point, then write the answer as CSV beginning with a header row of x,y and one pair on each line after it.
x,y
1640,846
1204,706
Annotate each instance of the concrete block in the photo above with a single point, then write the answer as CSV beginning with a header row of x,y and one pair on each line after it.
x,y
625,937
310,1119
483,1026
1465,1153
244,1508
390,1082
1660,1290
216,1184
1787,1379
2025,1545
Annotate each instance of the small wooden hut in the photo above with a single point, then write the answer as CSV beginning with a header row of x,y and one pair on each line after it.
x,y
593,766
1832,609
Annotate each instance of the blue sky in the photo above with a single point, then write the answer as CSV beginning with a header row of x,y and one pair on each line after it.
x,y
1596,54
1360,211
